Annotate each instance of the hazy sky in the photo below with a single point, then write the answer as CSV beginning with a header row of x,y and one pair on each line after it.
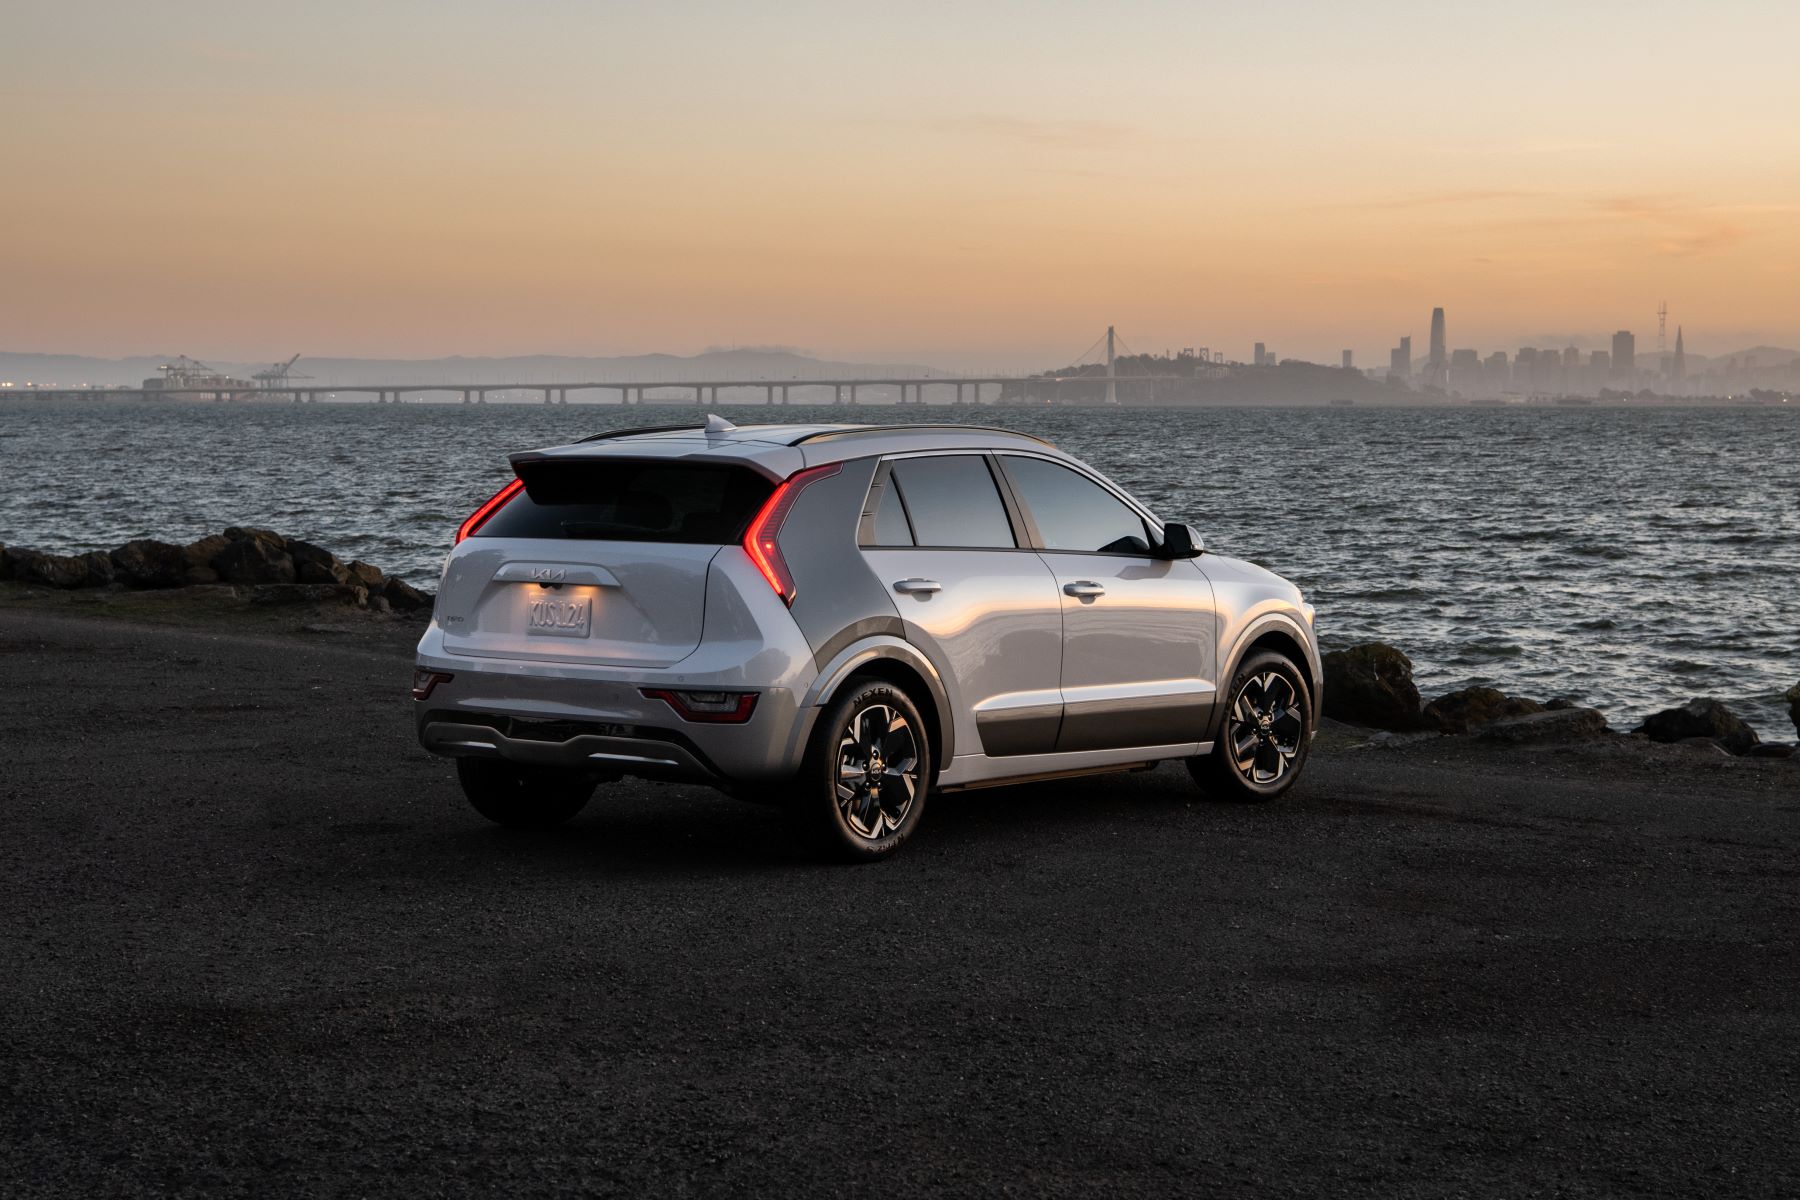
x,y
977,185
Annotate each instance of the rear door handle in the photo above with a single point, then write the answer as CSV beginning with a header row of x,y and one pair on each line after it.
x,y
918,587
1083,588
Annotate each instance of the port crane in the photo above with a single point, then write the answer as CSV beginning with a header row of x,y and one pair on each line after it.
x,y
278,374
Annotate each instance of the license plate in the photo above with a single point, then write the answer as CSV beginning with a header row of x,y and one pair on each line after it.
x,y
560,618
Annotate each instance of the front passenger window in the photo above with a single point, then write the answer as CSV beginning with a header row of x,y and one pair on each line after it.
x,y
1073,512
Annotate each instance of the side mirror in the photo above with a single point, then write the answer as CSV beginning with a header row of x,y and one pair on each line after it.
x,y
1180,541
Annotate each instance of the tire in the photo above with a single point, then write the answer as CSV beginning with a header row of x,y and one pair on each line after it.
x,y
851,804
1264,734
522,797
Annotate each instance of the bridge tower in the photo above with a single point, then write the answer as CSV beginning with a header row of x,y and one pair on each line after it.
x,y
1112,387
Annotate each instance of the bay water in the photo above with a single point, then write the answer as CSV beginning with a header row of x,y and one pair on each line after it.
x,y
1629,558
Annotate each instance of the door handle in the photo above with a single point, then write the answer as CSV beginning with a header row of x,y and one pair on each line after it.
x,y
918,587
1084,588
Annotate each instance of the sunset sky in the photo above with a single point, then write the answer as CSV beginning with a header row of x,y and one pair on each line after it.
x,y
982,186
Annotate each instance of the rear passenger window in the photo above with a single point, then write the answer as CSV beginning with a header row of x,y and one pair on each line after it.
x,y
888,525
952,501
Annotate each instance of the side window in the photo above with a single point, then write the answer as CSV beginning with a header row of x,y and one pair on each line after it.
x,y
952,501
1072,512
884,515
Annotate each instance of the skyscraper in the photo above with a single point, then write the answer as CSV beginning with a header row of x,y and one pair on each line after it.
x,y
1260,354
1349,364
1624,355
1400,359
1680,368
1438,359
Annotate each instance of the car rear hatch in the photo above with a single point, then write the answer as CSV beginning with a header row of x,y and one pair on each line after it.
x,y
597,560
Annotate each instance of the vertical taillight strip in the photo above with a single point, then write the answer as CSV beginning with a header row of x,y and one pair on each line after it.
x,y
495,503
761,541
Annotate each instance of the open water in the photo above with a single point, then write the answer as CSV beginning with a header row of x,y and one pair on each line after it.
x,y
1630,558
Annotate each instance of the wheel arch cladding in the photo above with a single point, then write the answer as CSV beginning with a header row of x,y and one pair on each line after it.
x,y
1279,639
907,679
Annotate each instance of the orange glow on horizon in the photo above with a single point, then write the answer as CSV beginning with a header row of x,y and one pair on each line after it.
x,y
982,189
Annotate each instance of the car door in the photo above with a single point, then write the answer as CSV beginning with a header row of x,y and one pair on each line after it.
x,y
982,606
1139,632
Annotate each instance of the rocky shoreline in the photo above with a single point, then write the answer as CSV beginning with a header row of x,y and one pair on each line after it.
x,y
1368,685
1371,685
275,569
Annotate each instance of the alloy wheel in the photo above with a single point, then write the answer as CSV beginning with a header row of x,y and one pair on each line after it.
x,y
1265,728
877,771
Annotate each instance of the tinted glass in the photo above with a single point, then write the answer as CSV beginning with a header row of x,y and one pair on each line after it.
x,y
953,501
891,528
620,500
1073,512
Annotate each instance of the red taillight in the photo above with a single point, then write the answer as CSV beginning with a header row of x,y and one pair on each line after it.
x,y
717,708
495,503
760,542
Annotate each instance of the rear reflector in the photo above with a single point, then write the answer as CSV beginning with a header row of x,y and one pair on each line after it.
x,y
715,708
762,543
425,682
495,503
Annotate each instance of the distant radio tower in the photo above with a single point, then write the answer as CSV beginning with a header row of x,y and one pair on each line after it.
x,y
1662,326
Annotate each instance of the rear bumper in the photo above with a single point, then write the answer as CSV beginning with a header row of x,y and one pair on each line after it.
x,y
598,753
606,727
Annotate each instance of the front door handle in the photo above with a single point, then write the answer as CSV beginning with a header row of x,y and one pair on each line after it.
x,y
918,587
1084,588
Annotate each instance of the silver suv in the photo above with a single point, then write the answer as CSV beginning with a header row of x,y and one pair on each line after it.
x,y
842,620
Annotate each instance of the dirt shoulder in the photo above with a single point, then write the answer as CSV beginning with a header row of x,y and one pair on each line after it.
x,y
256,942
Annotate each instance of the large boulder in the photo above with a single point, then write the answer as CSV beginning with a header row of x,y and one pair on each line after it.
x,y
100,569
403,596
305,552
202,552
254,560
315,564
367,574
237,533
1700,718
1371,684
148,563
333,572
1472,707
52,570
1793,699
1547,725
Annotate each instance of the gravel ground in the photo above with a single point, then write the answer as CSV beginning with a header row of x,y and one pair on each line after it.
x,y
254,943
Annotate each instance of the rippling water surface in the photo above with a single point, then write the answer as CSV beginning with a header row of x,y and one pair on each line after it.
x,y
1629,558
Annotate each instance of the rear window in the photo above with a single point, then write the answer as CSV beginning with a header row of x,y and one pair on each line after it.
x,y
620,500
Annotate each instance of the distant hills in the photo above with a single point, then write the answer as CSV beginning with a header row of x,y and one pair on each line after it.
x,y
71,370
1767,356
724,365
